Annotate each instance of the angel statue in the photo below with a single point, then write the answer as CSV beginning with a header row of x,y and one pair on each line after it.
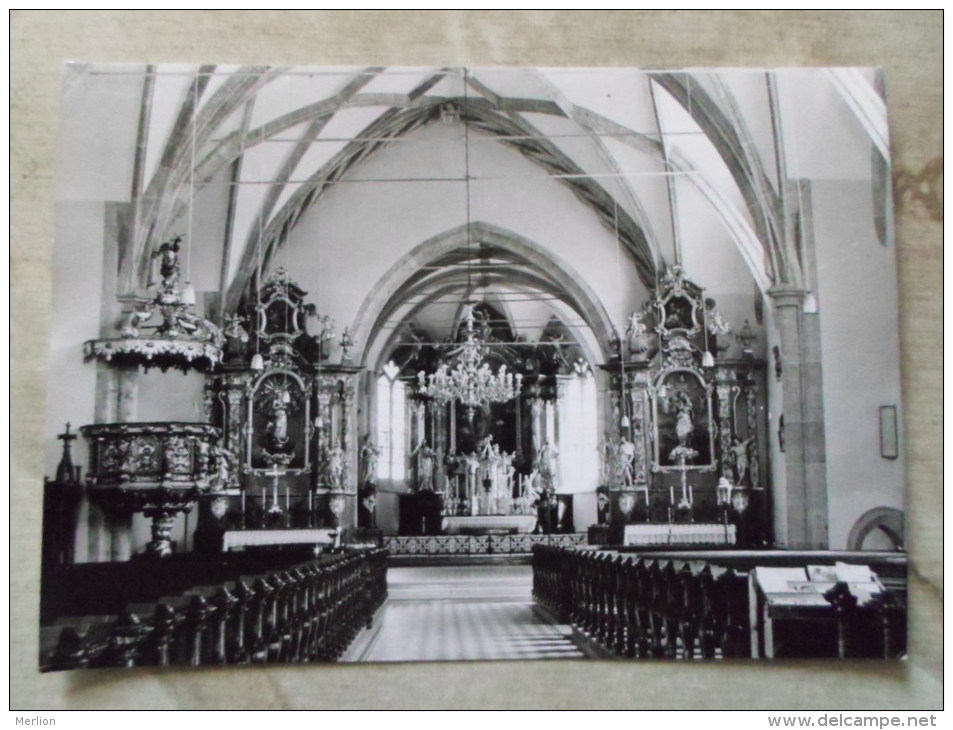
x,y
370,453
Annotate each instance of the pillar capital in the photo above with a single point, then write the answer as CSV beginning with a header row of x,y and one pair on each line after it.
x,y
787,295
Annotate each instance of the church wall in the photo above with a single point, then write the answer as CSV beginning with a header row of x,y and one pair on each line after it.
x,y
77,301
860,344
96,148
100,113
822,138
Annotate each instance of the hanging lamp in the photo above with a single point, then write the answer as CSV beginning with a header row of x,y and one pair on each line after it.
x,y
465,376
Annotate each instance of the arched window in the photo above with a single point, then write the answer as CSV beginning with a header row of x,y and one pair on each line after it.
x,y
578,432
391,425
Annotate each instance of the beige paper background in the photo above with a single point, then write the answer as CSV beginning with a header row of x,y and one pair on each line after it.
x,y
907,44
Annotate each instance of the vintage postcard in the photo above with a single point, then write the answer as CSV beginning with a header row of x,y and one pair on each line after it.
x,y
372,364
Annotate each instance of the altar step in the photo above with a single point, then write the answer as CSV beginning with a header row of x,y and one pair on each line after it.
x,y
473,545
421,561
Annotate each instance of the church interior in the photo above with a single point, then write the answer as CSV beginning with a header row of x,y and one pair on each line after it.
x,y
390,364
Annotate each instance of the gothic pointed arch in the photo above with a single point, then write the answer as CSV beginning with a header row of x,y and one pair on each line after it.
x,y
391,288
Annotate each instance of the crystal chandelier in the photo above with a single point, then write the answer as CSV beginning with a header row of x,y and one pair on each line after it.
x,y
466,378
463,376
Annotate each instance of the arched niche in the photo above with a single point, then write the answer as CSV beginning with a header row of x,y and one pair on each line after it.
x,y
888,520
279,422
682,413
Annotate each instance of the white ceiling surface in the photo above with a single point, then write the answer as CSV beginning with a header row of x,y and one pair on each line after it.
x,y
340,105
620,96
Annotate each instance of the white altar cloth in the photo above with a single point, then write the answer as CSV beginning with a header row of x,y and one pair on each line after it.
x,y
521,523
260,538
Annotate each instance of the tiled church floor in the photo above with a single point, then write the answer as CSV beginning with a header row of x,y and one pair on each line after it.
x,y
452,613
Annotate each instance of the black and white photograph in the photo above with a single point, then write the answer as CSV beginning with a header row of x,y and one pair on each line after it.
x,y
408,364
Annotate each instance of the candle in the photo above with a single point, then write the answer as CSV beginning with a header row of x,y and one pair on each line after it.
x,y
287,499
243,503
263,499
671,494
310,502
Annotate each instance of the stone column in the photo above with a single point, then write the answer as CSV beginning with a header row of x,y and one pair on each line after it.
x,y
640,424
801,515
812,419
127,409
724,385
535,410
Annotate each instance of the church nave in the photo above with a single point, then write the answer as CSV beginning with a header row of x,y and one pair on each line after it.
x,y
448,613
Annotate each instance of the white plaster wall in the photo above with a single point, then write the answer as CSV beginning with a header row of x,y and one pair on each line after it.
x,y
77,302
857,285
822,137
96,148
99,117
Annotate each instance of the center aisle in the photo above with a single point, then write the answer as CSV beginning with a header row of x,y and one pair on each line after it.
x,y
462,613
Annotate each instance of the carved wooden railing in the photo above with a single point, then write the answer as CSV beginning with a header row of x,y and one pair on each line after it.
x,y
656,606
307,613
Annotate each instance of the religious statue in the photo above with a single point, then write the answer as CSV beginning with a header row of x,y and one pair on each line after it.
x,y
234,328
236,337
472,467
277,426
449,113
739,454
326,333
425,467
626,459
536,411
683,417
167,256
558,346
225,464
547,464
346,342
635,334
531,492
370,453
505,490
336,467
746,337
615,343
717,324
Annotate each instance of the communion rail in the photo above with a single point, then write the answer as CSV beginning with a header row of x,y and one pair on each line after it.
x,y
305,613
680,606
